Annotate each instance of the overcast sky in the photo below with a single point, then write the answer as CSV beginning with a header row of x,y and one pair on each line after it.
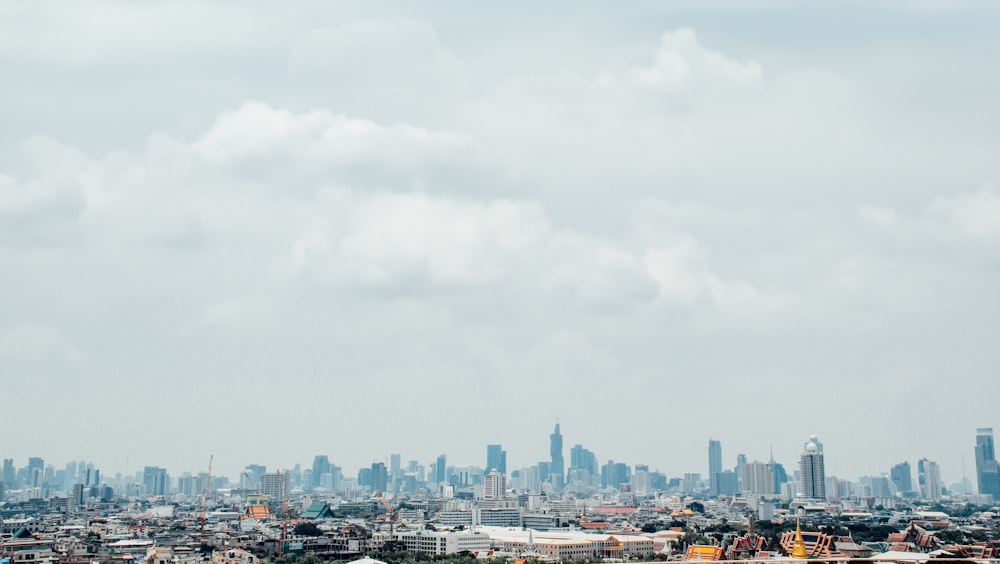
x,y
269,231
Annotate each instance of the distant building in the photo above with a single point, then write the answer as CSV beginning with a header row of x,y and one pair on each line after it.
x,y
813,471
757,478
902,478
275,485
929,479
987,470
495,485
441,470
714,465
496,457
558,467
154,480
380,477
321,466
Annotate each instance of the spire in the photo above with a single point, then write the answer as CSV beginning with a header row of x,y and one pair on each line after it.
x,y
799,546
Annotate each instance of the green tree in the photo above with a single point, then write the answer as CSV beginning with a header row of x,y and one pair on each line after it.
x,y
307,529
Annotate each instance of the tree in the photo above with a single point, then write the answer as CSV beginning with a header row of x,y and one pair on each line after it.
x,y
307,529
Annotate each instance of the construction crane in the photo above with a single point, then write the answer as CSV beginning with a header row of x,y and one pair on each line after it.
x,y
203,514
390,512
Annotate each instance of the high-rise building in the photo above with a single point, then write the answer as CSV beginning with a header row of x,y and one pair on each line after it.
x,y
9,473
154,480
494,485
902,478
987,470
380,477
36,471
714,465
275,485
496,457
757,478
929,479
441,470
812,471
558,467
321,466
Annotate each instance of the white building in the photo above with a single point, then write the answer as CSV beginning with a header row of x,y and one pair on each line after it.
x,y
443,542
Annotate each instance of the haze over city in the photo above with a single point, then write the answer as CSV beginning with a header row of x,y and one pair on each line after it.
x,y
363,228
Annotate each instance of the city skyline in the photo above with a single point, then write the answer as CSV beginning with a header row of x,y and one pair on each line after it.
x,y
913,476
265,233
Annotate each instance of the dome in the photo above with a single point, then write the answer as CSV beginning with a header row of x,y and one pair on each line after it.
x,y
811,447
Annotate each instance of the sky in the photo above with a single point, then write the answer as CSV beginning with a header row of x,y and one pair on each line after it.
x,y
269,231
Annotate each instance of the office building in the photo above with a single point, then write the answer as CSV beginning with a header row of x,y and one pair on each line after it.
x,y
987,471
812,471
441,470
714,465
929,479
380,477
901,478
494,485
496,457
558,467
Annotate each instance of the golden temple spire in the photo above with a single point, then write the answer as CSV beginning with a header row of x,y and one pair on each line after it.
x,y
799,546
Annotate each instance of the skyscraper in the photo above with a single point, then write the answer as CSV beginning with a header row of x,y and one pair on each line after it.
x,y
380,477
929,478
813,472
494,485
901,477
714,465
321,466
987,470
558,467
441,470
496,457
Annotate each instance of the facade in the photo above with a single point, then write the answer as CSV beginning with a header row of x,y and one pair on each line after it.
x,y
496,457
558,467
757,478
495,485
901,478
380,477
812,471
714,465
275,485
929,479
440,542
987,470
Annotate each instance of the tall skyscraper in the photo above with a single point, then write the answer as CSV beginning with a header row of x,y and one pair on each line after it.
x,y
987,470
813,472
441,470
496,457
154,479
558,467
714,465
929,478
321,466
901,477
380,477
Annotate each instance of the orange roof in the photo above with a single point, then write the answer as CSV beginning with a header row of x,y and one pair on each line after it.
x,y
258,512
703,552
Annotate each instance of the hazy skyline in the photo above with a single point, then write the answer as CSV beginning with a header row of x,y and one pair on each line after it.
x,y
420,227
